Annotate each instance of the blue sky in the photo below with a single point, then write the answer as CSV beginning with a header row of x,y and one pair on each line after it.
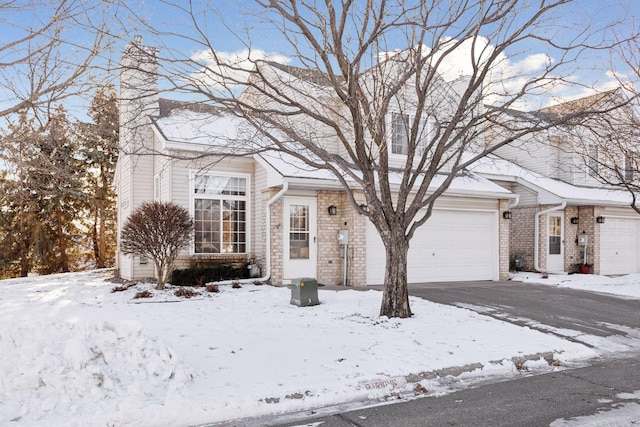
x,y
594,70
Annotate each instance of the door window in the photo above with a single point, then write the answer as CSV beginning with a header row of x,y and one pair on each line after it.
x,y
555,235
299,232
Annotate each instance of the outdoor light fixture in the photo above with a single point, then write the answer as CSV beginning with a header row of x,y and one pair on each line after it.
x,y
506,214
575,220
333,209
600,220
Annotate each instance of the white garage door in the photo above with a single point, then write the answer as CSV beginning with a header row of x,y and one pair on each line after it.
x,y
619,246
451,246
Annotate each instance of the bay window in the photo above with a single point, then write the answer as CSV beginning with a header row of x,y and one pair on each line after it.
x,y
220,213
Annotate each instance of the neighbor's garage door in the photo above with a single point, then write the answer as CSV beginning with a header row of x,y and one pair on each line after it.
x,y
619,246
451,246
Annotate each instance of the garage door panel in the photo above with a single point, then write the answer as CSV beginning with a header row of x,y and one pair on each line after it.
x,y
619,246
451,246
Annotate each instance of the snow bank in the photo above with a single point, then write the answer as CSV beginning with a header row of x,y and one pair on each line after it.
x,y
72,353
68,373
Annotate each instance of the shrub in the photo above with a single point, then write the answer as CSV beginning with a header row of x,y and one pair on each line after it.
x,y
122,288
201,276
157,230
143,294
186,293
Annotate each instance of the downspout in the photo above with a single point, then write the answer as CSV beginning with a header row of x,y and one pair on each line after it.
x,y
267,274
515,202
536,236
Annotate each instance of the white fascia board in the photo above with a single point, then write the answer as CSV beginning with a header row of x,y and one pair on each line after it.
x,y
274,178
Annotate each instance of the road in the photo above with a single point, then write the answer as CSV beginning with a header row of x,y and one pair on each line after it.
x,y
610,385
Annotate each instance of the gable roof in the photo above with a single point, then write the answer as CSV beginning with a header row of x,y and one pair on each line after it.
x,y
585,104
283,167
549,190
307,74
169,106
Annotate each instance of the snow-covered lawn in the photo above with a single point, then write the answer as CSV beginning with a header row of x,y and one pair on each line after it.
x,y
625,286
73,353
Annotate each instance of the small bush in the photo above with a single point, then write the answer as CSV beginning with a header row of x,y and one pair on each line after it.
x,y
122,288
143,294
186,293
157,230
212,288
201,276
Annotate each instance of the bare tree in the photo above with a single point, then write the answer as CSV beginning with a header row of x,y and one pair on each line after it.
x,y
158,231
48,50
608,142
380,80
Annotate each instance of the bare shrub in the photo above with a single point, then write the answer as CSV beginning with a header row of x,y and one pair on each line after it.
x,y
157,230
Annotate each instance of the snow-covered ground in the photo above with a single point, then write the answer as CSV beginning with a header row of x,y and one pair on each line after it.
x,y
73,353
624,286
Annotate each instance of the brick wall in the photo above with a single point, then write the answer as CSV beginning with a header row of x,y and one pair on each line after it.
x,y
521,229
329,261
357,226
572,251
276,237
522,236
504,231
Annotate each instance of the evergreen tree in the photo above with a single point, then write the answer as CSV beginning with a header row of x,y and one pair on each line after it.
x,y
56,173
20,218
99,153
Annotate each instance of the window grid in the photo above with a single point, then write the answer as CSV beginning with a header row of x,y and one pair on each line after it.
x,y
628,168
220,214
593,161
400,134
401,130
298,232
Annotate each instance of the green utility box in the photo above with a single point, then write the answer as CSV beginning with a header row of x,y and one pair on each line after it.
x,y
304,292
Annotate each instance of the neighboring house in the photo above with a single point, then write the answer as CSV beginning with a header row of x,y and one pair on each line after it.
x,y
566,216
274,208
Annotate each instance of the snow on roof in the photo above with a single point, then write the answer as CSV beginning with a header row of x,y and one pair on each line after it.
x,y
200,129
185,129
497,167
288,166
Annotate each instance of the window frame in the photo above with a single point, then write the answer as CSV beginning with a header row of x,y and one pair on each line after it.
x,y
629,170
593,161
246,198
410,118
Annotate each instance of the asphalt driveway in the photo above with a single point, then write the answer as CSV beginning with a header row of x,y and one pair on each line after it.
x,y
602,387
561,311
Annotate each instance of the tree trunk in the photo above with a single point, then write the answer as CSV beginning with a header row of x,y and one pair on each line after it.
x,y
94,238
62,244
24,244
395,299
102,240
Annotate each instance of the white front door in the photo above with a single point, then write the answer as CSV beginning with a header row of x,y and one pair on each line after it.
x,y
299,239
555,243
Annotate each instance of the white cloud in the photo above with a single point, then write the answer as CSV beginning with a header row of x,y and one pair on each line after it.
x,y
229,70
